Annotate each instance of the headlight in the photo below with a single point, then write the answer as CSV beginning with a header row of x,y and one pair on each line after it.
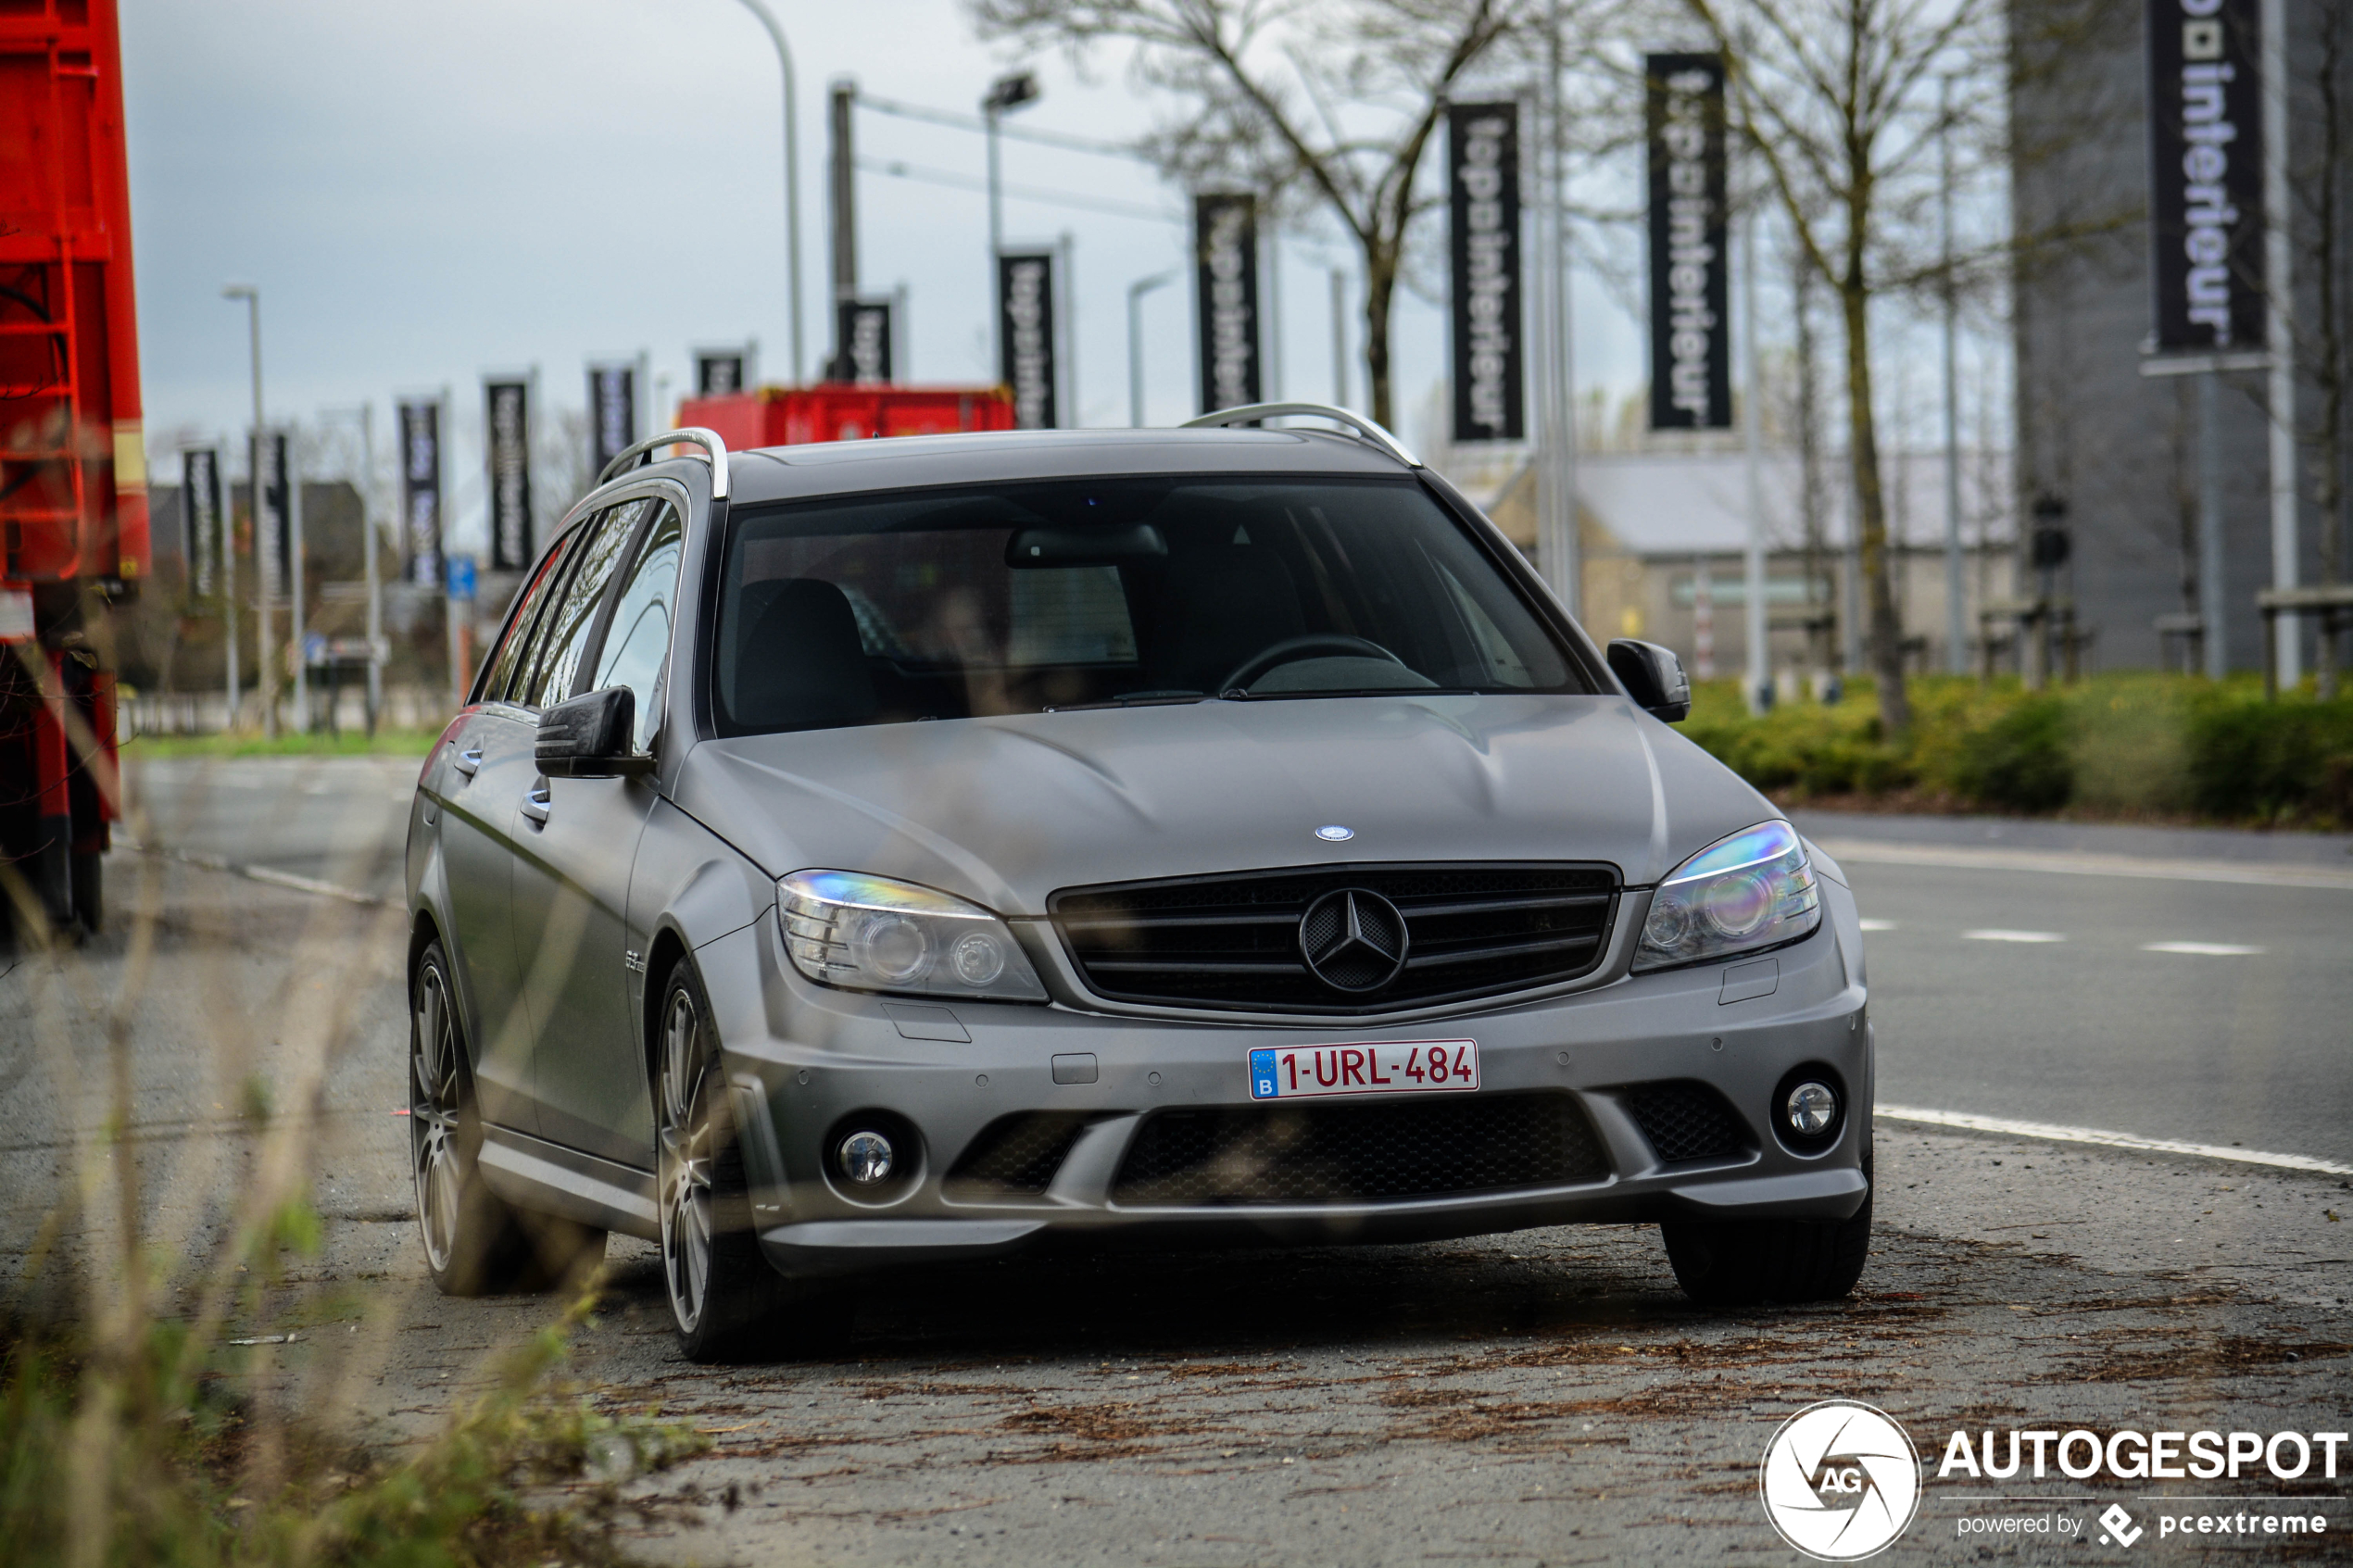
x,y
875,934
1749,891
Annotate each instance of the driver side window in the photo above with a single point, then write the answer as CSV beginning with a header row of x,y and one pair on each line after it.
x,y
637,650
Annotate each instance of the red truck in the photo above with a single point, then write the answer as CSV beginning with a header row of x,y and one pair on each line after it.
x,y
777,416
73,479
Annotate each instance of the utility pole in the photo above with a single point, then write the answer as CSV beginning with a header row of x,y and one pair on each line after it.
x,y
2279,281
792,181
1135,292
1340,338
2212,602
1557,549
1956,617
262,548
844,205
293,598
1005,93
1758,678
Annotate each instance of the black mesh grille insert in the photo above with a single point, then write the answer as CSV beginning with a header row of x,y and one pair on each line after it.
x,y
1472,930
1015,1156
1354,1153
1685,1121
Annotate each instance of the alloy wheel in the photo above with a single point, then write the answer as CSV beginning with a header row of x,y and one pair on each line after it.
x,y
687,1157
434,1107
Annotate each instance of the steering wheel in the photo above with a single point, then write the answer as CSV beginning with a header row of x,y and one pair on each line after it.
x,y
1315,645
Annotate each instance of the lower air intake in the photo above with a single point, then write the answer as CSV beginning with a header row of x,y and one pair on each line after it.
x,y
1686,1121
1015,1156
1358,1153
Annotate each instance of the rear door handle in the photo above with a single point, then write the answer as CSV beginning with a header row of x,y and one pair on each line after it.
x,y
536,804
468,761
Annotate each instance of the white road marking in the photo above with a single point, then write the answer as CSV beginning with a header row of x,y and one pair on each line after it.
x,y
2210,949
2086,863
1995,936
258,873
2056,1132
1879,926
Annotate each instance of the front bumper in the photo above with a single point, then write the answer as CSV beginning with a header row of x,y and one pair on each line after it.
x,y
806,1062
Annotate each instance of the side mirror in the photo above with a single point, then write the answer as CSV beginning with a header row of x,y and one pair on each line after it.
x,y
1653,677
588,737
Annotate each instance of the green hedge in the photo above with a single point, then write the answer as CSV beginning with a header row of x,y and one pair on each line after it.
x,y
2123,745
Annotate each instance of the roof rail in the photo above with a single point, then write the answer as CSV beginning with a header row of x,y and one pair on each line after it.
x,y
1365,429
691,435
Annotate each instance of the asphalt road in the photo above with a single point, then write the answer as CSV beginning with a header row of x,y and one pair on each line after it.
x,y
1543,1396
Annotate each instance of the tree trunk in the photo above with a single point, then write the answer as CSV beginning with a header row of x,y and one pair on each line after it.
x,y
1380,282
1886,631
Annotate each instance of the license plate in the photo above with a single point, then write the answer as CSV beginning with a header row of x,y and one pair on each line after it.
x,y
1370,1067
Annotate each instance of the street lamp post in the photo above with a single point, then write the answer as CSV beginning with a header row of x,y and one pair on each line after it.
x,y
1005,93
792,175
1135,292
252,296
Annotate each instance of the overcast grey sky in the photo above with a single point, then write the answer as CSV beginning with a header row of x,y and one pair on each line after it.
x,y
428,190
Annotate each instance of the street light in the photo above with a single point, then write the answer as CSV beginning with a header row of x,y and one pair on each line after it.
x,y
1135,292
252,296
792,173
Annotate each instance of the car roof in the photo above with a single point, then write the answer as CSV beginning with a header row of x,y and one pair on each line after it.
x,y
907,462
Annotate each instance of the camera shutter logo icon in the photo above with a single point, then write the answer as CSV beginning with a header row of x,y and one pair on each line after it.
x,y
1841,1481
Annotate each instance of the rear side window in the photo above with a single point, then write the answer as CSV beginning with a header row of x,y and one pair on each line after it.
x,y
637,650
573,616
512,655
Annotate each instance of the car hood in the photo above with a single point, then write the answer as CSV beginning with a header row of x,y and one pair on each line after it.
x,y
1006,810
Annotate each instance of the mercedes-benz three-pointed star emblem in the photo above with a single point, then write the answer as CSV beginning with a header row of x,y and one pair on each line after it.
x,y
1353,940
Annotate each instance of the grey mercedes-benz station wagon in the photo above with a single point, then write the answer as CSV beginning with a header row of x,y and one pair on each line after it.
x,y
919,849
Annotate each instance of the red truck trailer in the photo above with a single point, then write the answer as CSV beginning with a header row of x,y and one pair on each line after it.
x,y
778,416
73,481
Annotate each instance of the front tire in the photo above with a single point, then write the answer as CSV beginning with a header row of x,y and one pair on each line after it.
x,y
725,1299
476,1243
1743,1262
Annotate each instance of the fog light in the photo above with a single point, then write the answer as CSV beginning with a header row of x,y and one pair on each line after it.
x,y
1810,1108
865,1158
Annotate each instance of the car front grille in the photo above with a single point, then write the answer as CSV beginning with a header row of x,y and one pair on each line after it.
x,y
1685,1121
1234,942
1015,1156
1308,1154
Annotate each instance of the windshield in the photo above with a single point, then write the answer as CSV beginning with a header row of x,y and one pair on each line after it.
x,y
1016,599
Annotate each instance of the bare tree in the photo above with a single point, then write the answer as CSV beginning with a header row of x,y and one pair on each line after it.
x,y
1837,100
1337,103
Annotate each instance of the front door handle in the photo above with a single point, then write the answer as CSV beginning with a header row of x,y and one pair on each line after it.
x,y
468,761
536,804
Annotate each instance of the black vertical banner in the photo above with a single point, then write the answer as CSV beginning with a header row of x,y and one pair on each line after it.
x,y
720,373
1482,145
862,327
200,518
1226,268
507,429
2205,174
1025,328
1690,270
421,490
613,412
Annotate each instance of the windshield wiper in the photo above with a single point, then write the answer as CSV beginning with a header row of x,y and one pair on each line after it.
x,y
1132,699
1240,694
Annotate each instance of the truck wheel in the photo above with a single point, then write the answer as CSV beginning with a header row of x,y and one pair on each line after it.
x,y
89,877
476,1243
1741,1263
727,1302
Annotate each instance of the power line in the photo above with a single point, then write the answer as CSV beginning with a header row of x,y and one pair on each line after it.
x,y
1020,132
954,181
